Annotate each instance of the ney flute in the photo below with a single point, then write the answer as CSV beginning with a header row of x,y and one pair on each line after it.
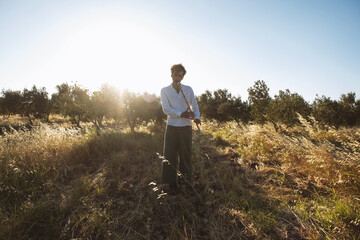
x,y
187,103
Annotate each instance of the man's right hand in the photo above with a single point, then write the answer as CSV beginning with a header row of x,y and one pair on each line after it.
x,y
187,114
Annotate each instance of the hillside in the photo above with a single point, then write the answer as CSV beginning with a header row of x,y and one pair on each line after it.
x,y
250,182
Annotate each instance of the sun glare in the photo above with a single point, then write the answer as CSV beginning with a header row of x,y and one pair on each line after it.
x,y
125,54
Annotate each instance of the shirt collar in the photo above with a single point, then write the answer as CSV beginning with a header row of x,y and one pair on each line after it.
x,y
173,89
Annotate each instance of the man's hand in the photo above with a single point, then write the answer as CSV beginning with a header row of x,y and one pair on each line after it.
x,y
176,86
187,114
197,121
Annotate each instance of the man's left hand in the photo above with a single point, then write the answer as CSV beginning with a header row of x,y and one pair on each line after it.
x,y
197,121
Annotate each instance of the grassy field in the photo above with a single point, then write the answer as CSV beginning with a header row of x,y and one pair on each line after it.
x,y
250,182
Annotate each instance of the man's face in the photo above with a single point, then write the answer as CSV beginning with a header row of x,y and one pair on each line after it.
x,y
177,76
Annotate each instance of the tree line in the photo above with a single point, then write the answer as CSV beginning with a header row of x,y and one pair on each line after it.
x,y
81,105
283,108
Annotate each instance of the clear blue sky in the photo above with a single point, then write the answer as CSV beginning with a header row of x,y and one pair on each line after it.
x,y
310,47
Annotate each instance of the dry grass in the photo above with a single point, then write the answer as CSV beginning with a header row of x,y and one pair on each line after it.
x,y
14,120
250,182
313,172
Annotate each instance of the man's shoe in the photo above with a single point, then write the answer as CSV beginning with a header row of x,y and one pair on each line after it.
x,y
170,189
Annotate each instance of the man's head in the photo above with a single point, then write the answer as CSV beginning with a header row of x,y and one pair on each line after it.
x,y
177,73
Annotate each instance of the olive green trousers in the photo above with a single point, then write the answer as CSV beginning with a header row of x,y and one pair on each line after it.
x,y
177,153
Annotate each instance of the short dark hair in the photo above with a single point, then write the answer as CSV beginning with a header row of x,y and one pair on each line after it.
x,y
178,68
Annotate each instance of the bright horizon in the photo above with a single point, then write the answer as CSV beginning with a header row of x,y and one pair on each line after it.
x,y
308,47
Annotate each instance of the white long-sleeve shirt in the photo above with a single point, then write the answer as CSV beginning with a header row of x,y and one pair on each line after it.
x,y
173,104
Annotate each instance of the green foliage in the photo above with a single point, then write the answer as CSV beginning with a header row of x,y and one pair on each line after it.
x,y
72,101
326,111
61,99
104,103
259,100
347,110
32,103
222,106
11,102
286,105
357,111
138,109
159,115
2,110
35,103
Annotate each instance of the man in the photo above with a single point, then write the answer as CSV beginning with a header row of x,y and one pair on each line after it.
x,y
180,106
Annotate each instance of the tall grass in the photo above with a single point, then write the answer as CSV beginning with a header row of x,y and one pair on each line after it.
x,y
250,182
312,171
